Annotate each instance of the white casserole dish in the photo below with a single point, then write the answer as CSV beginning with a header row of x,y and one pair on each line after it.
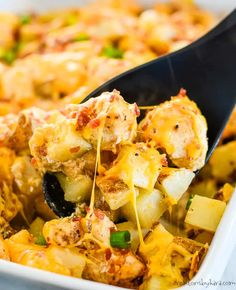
x,y
15,276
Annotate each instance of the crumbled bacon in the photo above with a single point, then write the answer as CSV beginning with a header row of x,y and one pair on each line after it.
x,y
76,219
84,117
33,161
136,110
75,149
95,123
182,92
108,254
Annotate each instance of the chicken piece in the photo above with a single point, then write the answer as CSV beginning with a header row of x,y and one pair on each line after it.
x,y
177,127
63,232
55,259
66,145
27,179
16,130
73,230
110,114
117,267
44,75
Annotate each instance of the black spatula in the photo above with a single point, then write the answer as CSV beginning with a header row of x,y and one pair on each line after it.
x,y
206,69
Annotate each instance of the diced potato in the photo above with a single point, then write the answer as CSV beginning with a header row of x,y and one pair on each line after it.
x,y
174,182
27,179
76,190
67,143
156,240
129,226
137,165
69,258
150,207
170,259
115,191
225,192
36,227
52,258
223,161
205,213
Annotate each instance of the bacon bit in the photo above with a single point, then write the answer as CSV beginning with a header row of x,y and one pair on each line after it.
x,y
33,161
76,219
84,117
113,230
95,123
112,269
145,126
182,92
75,149
108,254
99,214
136,110
73,115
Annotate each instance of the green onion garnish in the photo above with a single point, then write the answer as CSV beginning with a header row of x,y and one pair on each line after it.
x,y
81,37
41,241
120,239
9,56
189,201
25,19
112,52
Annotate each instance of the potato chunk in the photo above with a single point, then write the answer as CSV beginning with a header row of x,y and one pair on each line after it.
x,y
76,190
205,213
223,161
150,207
178,127
174,182
137,165
172,261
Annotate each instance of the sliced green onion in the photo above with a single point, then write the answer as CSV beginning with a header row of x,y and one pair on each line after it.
x,y
9,56
120,239
81,37
41,241
25,19
112,52
189,201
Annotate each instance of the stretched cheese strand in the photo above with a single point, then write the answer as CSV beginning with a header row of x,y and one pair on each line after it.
x,y
97,163
134,203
